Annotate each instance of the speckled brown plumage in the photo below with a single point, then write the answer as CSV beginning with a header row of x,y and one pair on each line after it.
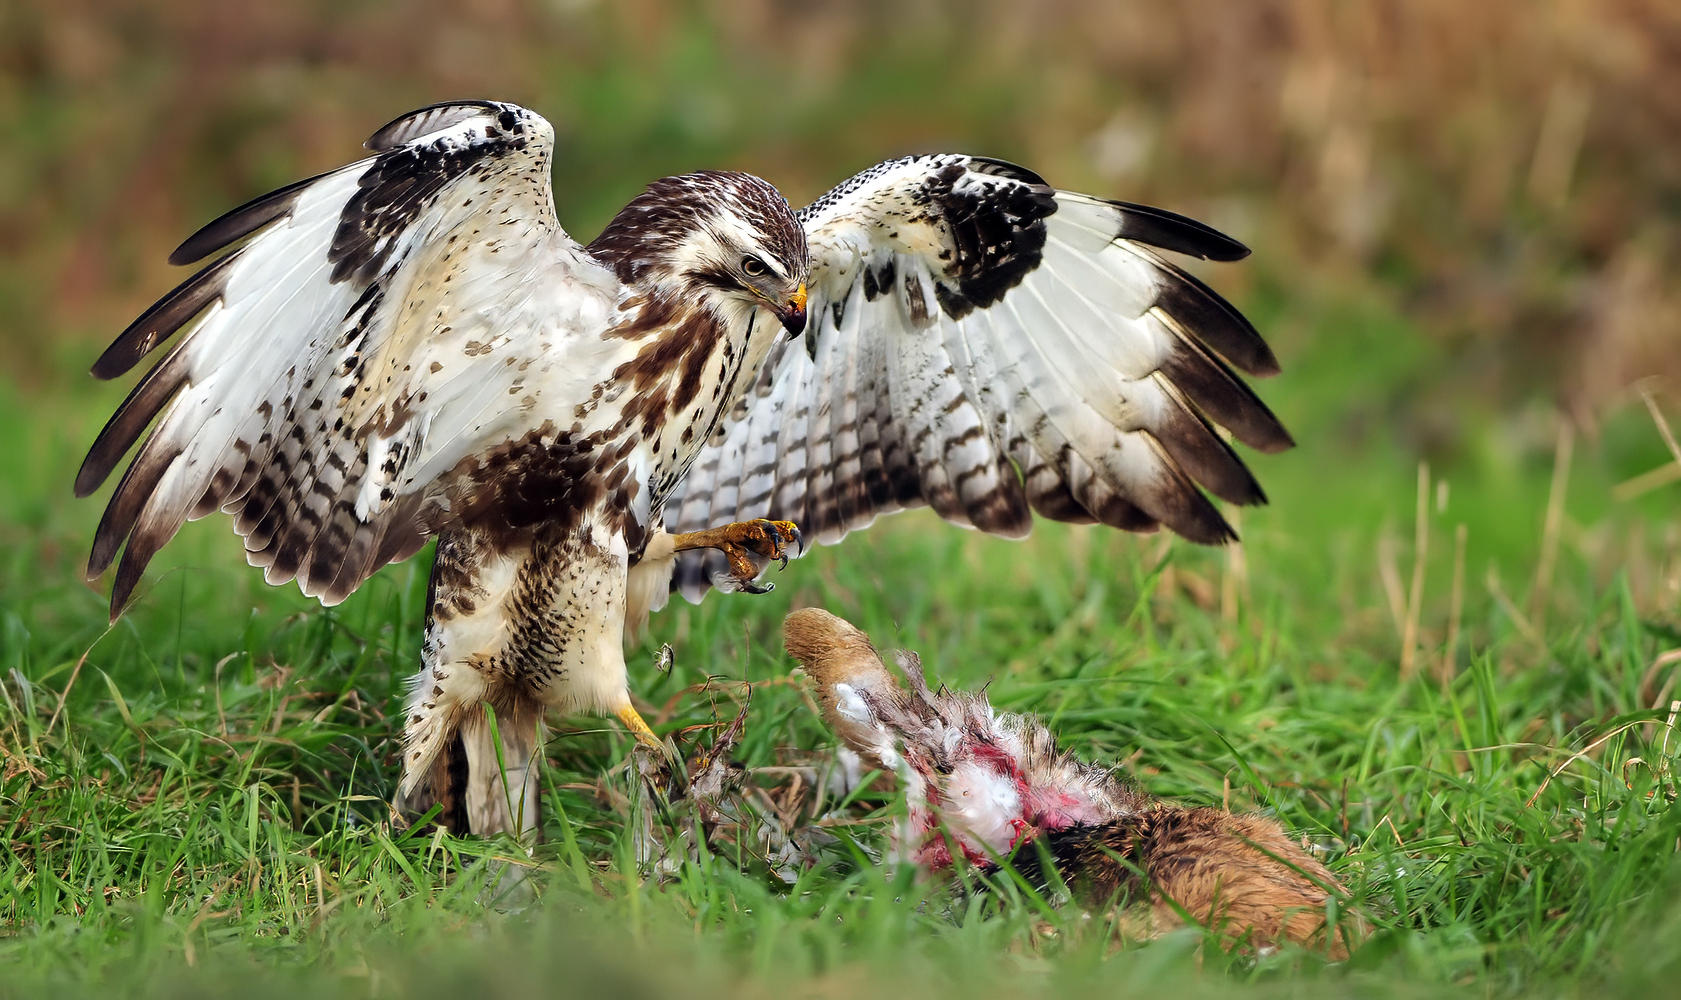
x,y
643,234
412,347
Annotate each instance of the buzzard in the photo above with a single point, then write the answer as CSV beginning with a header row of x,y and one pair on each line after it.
x,y
411,346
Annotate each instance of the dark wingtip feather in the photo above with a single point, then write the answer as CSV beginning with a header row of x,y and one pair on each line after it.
x,y
422,121
241,222
136,555
147,398
1117,511
1004,168
1184,509
1201,523
1225,398
116,610
1284,441
91,476
129,572
152,531
1201,311
1208,459
164,318
1170,231
126,504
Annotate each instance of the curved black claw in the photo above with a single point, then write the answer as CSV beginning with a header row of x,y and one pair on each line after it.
x,y
786,536
748,546
778,535
755,587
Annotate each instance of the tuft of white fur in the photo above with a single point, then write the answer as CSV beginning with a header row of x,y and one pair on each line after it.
x,y
988,779
985,805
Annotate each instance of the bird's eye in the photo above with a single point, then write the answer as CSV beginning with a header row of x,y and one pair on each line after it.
x,y
754,267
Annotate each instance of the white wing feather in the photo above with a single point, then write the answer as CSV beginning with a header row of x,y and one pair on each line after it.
x,y
382,325
984,344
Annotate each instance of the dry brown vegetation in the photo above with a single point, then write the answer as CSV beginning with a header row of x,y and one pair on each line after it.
x,y
1510,169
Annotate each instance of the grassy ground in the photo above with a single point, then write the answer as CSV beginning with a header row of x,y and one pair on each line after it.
x,y
192,800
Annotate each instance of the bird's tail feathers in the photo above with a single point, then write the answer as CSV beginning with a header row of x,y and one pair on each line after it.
x,y
478,789
443,784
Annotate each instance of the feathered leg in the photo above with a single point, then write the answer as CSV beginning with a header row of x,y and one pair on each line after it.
x,y
449,752
521,625
443,785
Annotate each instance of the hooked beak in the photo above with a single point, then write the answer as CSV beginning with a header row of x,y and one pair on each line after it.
x,y
792,313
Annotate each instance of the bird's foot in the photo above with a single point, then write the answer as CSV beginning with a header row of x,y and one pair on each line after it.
x,y
748,545
639,729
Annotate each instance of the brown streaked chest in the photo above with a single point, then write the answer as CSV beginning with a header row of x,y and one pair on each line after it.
x,y
675,390
548,480
628,445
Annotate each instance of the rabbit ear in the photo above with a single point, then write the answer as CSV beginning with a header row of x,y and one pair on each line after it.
x,y
833,651
853,685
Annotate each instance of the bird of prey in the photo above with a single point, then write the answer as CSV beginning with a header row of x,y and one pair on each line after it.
x,y
992,787
412,346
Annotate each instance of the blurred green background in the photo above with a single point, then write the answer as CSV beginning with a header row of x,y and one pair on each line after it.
x,y
1466,219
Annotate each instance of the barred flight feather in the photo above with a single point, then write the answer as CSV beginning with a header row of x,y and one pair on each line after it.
x,y
977,342
379,325
988,346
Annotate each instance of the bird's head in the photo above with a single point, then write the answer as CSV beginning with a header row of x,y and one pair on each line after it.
x,y
719,234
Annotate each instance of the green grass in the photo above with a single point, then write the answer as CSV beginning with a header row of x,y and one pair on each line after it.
x,y
206,811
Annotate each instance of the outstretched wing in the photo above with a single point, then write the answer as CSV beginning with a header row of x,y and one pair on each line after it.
x,y
989,346
379,327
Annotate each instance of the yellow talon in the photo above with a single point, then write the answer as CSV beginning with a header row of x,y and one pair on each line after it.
x,y
763,538
639,729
